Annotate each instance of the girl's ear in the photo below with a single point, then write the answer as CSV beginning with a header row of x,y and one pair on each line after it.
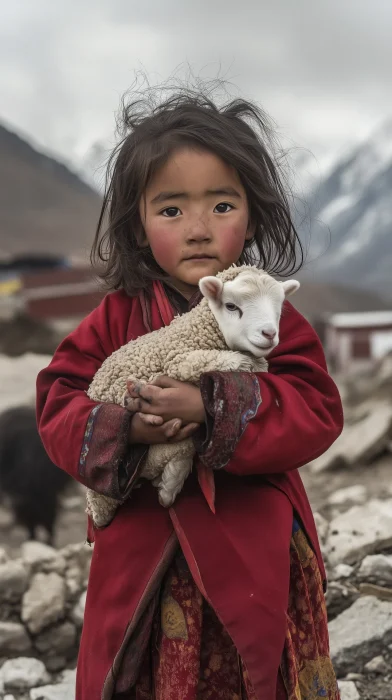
x,y
141,237
290,287
211,288
250,232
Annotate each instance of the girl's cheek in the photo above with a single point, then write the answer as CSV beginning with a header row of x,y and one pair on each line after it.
x,y
162,248
232,242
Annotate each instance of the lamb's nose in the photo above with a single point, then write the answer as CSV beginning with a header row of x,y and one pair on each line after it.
x,y
270,334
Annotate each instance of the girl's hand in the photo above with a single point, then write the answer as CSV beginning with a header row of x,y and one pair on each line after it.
x,y
149,429
168,399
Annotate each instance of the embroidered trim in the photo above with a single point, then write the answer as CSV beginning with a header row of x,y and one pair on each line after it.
x,y
235,401
88,433
250,412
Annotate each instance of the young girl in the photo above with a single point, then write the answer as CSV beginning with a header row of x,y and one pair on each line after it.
x,y
184,604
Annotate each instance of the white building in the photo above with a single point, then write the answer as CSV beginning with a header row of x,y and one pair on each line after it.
x,y
355,341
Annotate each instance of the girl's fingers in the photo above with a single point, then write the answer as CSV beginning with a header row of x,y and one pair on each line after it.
x,y
166,382
147,392
171,428
132,405
134,386
184,433
150,419
189,429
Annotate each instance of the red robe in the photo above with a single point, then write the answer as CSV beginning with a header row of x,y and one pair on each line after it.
x,y
239,557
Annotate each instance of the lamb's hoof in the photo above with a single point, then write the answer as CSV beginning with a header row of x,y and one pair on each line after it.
x,y
157,481
166,499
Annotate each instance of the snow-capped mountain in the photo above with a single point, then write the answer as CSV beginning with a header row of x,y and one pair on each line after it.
x,y
351,218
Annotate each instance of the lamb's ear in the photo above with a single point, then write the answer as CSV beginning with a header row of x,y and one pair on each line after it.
x,y
290,287
211,288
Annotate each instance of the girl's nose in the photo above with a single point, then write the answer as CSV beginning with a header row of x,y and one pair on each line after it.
x,y
198,231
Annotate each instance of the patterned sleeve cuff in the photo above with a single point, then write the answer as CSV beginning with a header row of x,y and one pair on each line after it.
x,y
231,400
107,463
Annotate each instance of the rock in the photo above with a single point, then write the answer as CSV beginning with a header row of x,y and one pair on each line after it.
x,y
62,691
79,555
40,557
69,676
74,581
376,568
44,602
348,691
54,664
378,591
339,596
355,495
359,633
9,697
34,552
359,442
23,673
58,640
78,611
13,580
377,665
359,531
354,677
78,559
13,639
341,571
56,565
3,556
322,526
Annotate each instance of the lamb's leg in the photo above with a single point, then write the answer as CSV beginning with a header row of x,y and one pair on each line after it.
x,y
167,466
100,508
172,480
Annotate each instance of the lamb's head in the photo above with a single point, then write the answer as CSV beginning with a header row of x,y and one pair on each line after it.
x,y
248,309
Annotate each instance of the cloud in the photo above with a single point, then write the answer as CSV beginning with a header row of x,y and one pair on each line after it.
x,y
322,70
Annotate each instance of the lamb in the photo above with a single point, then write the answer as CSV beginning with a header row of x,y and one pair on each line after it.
x,y
234,328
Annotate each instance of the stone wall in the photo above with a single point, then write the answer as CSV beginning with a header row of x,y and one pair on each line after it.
x,y
42,598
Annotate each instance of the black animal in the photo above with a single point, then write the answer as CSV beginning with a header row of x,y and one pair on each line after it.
x,y
29,480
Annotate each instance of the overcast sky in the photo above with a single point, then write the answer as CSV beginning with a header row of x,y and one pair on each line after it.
x,y
321,68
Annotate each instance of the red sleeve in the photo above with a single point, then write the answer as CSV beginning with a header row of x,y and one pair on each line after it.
x,y
278,420
86,439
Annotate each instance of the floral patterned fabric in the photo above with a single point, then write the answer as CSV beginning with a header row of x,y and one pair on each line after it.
x,y
306,664
190,656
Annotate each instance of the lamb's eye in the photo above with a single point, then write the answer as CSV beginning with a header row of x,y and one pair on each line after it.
x,y
232,307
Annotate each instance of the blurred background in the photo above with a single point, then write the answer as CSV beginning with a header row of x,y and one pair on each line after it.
x,y
321,70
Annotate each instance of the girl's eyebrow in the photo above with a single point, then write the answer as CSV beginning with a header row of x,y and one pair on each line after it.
x,y
167,196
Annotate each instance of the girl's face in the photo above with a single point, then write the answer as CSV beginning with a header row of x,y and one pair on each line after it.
x,y
195,217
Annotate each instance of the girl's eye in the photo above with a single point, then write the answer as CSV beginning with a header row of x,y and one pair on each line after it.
x,y
223,208
232,307
171,212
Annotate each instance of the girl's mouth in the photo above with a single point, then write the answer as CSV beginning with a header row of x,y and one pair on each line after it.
x,y
200,257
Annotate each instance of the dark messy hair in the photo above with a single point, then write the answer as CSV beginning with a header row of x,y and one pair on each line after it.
x,y
239,133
